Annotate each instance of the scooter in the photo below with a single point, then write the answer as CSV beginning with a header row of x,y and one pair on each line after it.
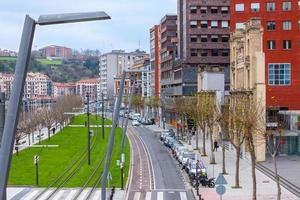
x,y
204,181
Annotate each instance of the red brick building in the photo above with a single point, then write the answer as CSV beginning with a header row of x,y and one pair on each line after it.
x,y
56,52
281,45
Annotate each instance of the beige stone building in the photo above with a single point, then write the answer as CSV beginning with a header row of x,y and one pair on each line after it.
x,y
63,89
87,86
247,71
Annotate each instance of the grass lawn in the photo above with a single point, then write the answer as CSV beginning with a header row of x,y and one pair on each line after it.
x,y
49,62
7,58
53,161
81,119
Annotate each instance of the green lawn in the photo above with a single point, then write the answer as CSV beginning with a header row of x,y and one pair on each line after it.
x,y
7,58
81,119
49,62
53,161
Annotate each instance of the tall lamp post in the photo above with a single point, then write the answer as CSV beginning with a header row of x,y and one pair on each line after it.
x,y
88,127
19,81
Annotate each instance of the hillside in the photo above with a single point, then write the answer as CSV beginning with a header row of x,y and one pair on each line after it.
x,y
57,70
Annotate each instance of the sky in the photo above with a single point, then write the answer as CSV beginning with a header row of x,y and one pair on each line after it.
x,y
128,29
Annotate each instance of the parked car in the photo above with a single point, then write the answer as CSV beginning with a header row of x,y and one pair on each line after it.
x,y
184,155
136,116
178,150
192,167
135,123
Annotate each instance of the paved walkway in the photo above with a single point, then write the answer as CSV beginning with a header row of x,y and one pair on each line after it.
x,y
266,187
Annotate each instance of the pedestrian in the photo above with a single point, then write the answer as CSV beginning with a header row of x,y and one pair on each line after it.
x,y
216,146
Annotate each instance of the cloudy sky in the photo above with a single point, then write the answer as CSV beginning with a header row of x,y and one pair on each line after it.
x,y
129,26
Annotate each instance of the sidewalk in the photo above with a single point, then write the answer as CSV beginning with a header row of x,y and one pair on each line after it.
x,y
266,187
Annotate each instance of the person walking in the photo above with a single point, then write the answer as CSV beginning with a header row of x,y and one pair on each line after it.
x,y
216,146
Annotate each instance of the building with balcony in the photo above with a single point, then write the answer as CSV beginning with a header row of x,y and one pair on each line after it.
x,y
203,41
86,87
63,89
155,60
111,66
57,52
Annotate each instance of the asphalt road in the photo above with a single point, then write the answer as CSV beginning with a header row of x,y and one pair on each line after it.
x,y
166,181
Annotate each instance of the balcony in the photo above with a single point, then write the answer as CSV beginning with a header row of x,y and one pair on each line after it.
x,y
209,31
210,45
210,59
209,16
173,91
169,57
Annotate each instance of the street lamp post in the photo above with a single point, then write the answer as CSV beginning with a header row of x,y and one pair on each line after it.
x,y
88,126
102,96
21,68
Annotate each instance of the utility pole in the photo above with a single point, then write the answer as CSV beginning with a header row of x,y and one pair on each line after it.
x,y
2,114
112,137
88,125
102,96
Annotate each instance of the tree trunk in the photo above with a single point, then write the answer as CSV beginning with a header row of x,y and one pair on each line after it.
x,y
212,157
276,177
197,140
253,163
28,139
39,136
48,128
32,137
203,143
223,158
237,167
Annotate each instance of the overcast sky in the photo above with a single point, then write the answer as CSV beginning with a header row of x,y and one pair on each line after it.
x,y
130,23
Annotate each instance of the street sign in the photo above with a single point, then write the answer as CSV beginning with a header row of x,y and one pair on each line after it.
x,y
221,189
36,159
109,176
221,180
123,158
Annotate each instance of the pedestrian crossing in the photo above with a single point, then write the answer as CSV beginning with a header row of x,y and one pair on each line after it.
x,y
159,195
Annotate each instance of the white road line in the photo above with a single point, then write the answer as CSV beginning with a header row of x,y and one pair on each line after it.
x,y
97,195
31,195
183,196
148,196
83,194
137,196
160,196
70,195
45,195
59,195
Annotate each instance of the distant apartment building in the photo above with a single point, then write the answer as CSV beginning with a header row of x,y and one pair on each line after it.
x,y
168,53
63,89
203,34
36,85
57,52
6,52
155,60
111,66
86,87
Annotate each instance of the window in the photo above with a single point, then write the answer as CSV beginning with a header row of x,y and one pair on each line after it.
x,y
299,24
239,7
214,24
279,74
298,5
203,10
286,6
193,24
214,52
271,6
193,9
214,38
271,25
254,7
271,44
287,25
193,38
239,25
203,24
194,52
224,10
225,52
225,24
204,53
214,10
287,44
225,38
203,38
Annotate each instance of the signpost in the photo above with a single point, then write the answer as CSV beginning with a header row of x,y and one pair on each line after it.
x,y
109,178
220,189
36,162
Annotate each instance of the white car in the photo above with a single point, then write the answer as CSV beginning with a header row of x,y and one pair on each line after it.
x,y
135,123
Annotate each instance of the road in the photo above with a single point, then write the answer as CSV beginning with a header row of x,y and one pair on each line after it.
x,y
154,166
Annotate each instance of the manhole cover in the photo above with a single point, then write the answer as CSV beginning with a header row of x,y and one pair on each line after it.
x,y
266,181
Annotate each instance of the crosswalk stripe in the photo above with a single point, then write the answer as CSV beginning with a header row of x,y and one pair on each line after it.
x,y
160,195
31,195
46,194
183,196
70,195
83,195
148,196
59,195
97,195
137,196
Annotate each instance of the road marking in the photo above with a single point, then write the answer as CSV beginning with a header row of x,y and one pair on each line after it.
x,y
46,194
160,195
59,195
70,195
97,195
31,195
137,196
148,196
183,196
83,195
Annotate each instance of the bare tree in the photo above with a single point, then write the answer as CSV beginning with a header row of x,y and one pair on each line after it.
x,y
48,118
